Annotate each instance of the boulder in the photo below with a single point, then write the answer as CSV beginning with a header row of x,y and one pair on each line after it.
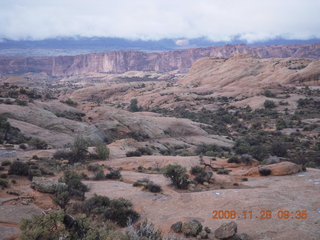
x,y
176,227
226,230
45,185
192,228
277,169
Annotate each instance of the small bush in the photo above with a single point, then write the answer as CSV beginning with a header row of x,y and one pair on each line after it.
x,y
113,174
265,171
200,174
19,168
6,163
75,187
70,102
117,210
3,175
61,197
102,151
99,174
4,183
93,168
177,175
60,154
269,104
79,149
23,146
133,153
234,159
152,187
38,143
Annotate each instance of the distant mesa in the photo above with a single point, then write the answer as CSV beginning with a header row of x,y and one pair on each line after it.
x,y
128,60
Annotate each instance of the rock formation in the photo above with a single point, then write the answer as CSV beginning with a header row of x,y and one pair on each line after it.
x,y
123,61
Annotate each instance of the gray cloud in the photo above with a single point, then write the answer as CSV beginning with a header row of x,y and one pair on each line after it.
x,y
218,20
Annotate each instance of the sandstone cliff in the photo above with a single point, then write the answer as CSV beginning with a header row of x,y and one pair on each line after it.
x,y
122,61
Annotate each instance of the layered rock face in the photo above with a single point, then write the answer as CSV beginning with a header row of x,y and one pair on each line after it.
x,y
122,61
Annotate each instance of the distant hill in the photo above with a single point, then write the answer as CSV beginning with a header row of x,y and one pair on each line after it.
x,y
84,45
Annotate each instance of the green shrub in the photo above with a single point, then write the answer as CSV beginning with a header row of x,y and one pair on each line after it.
x,y
177,175
61,154
200,174
279,149
102,151
93,168
113,174
6,163
70,102
99,174
75,187
269,94
133,154
234,159
268,104
38,143
265,171
133,107
4,183
79,149
61,196
19,168
152,187
117,210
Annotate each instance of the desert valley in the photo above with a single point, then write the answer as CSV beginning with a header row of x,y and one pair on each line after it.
x,y
203,143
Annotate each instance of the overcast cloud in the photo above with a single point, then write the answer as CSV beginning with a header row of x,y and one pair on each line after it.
x,y
218,20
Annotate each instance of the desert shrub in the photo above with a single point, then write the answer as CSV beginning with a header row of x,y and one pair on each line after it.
x,y
99,174
117,210
102,151
269,94
144,230
75,187
279,149
93,168
223,171
139,152
281,124
59,225
152,187
19,168
70,102
234,159
4,183
3,175
38,143
34,173
177,175
21,102
23,146
200,174
209,150
79,149
6,163
145,151
113,174
133,107
268,104
72,115
133,153
120,211
265,171
61,154
61,196
259,152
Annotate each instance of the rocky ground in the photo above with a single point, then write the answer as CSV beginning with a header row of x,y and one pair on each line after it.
x,y
214,113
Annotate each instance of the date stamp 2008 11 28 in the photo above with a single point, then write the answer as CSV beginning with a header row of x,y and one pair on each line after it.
x,y
260,214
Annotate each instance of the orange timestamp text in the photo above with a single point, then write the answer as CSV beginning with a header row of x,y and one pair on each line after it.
x,y
259,214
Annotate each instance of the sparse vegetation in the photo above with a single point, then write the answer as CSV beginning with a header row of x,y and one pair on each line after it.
x,y
102,151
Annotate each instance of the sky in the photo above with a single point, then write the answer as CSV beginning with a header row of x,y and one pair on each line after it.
x,y
216,20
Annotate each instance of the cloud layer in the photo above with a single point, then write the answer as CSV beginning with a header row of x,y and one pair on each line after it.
x,y
218,20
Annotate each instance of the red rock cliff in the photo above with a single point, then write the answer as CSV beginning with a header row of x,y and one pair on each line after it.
x,y
122,61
